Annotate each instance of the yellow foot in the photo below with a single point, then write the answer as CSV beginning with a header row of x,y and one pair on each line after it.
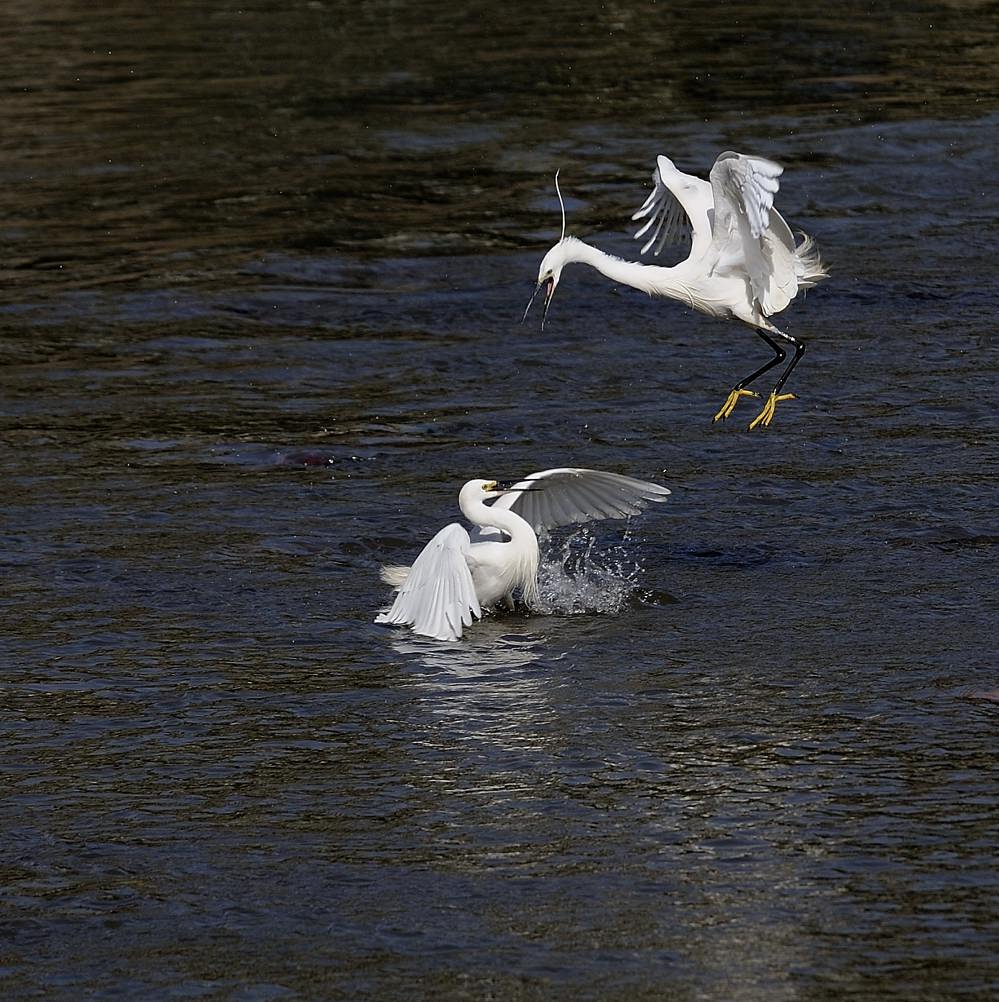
x,y
767,414
733,399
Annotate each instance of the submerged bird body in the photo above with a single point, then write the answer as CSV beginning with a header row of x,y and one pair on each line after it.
x,y
500,566
743,264
459,574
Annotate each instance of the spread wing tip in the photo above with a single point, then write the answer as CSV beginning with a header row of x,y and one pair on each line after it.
x,y
574,496
657,493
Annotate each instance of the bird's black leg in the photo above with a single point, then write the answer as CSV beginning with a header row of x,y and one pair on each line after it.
x,y
779,355
766,415
799,350
739,390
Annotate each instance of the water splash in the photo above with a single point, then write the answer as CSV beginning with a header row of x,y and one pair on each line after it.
x,y
574,576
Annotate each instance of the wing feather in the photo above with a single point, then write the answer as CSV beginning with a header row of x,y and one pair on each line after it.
x,y
566,496
749,236
746,185
438,597
678,207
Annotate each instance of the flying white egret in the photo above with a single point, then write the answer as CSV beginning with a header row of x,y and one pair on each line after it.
x,y
458,575
743,260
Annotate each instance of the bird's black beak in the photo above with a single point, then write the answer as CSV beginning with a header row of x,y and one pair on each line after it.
x,y
511,488
530,303
548,299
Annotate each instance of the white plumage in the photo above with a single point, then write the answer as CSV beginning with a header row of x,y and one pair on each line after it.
x,y
458,575
743,261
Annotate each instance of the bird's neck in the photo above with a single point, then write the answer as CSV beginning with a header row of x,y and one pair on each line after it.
x,y
653,279
518,529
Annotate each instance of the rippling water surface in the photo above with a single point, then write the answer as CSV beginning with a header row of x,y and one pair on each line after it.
x,y
263,271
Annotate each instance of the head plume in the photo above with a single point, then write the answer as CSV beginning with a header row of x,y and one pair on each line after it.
x,y
551,265
558,191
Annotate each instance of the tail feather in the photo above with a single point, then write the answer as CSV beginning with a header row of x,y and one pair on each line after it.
x,y
394,575
810,266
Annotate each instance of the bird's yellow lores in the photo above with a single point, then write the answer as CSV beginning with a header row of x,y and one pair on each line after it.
x,y
459,575
743,261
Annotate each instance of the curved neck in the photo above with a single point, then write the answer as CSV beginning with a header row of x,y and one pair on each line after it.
x,y
479,513
651,278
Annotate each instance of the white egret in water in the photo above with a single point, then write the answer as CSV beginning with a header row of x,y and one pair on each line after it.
x,y
743,262
458,575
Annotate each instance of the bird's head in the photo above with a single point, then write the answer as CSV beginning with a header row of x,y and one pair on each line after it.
x,y
481,490
487,490
549,273
550,270
477,492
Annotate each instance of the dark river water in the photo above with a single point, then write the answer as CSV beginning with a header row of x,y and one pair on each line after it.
x,y
263,273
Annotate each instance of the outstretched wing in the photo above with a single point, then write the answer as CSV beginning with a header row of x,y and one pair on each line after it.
x,y
679,207
748,234
744,186
438,597
567,496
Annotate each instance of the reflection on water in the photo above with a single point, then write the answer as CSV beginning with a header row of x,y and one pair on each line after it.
x,y
263,271
493,687
488,654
